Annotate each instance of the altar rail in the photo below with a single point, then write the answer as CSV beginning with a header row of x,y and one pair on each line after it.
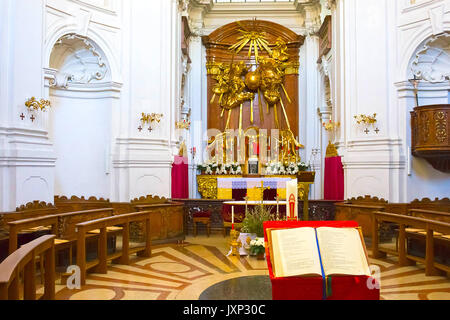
x,y
24,261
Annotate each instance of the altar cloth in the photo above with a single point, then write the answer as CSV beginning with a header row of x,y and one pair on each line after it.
x,y
238,188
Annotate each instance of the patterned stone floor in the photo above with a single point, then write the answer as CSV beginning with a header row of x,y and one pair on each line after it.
x,y
183,272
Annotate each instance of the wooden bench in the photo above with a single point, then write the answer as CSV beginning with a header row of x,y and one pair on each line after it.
x,y
433,230
124,220
23,261
63,226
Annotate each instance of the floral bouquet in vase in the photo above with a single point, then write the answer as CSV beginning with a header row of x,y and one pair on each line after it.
x,y
257,248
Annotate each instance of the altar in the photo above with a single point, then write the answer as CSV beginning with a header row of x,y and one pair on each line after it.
x,y
235,188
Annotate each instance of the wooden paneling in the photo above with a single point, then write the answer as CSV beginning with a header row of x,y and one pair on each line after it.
x,y
430,135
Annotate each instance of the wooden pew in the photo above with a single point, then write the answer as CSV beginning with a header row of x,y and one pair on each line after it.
x,y
360,210
430,226
167,219
23,261
124,220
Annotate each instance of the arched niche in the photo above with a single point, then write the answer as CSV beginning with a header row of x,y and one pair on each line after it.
x,y
83,98
78,61
431,61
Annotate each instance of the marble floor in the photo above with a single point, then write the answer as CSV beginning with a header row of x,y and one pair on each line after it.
x,y
186,272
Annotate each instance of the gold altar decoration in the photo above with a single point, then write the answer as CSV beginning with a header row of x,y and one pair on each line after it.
x,y
33,104
235,83
267,80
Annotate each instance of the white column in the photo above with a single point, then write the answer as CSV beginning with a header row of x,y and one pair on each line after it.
x,y
309,118
199,122
365,56
143,160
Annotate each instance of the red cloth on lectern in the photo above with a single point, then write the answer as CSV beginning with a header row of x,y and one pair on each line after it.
x,y
180,178
311,288
334,179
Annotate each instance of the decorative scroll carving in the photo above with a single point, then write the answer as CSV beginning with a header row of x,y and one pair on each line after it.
x,y
441,126
149,199
35,205
368,199
432,61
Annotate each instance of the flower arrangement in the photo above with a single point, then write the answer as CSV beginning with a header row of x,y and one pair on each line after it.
x,y
220,169
303,166
293,168
257,247
275,168
207,168
235,169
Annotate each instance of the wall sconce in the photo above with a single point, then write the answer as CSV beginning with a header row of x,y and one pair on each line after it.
x,y
148,119
183,124
331,126
33,104
367,121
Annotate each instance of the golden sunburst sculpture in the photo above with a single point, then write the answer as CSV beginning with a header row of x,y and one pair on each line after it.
x,y
256,38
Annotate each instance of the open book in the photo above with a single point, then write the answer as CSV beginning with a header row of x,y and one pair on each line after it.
x,y
316,252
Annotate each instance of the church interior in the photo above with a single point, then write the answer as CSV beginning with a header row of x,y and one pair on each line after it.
x,y
150,150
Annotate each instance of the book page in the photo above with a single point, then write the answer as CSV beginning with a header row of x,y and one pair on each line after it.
x,y
342,251
295,252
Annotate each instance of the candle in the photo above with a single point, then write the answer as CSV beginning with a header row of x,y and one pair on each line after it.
x,y
232,215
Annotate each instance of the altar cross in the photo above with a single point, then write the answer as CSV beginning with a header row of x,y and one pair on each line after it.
x,y
262,189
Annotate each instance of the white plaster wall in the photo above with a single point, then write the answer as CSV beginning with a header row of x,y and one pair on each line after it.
x,y
140,42
26,158
417,23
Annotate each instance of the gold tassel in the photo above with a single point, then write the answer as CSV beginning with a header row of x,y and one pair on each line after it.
x,y
251,112
240,119
275,110
228,120
285,114
285,92
261,112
